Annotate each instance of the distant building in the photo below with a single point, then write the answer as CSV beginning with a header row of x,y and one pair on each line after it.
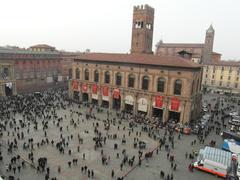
x,y
34,70
201,53
222,76
42,48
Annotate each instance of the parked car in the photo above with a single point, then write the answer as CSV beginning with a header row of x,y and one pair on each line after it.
x,y
235,122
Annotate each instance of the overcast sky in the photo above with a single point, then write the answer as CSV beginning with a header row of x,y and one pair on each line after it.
x,y
105,25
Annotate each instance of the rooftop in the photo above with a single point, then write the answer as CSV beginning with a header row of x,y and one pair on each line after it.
x,y
140,59
41,46
10,50
182,45
225,63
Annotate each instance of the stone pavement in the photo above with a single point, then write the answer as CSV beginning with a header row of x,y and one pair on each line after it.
x,y
148,170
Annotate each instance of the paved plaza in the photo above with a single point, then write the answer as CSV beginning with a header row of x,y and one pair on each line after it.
x,y
150,168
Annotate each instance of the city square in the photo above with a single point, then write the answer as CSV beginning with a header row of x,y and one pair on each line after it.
x,y
77,124
130,92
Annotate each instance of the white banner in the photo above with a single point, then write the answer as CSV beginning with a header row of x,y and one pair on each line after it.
x,y
142,104
129,100
105,98
95,96
49,79
60,78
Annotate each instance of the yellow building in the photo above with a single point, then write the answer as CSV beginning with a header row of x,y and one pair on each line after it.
x,y
222,76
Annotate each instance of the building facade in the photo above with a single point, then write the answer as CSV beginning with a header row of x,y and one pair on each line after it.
x,y
222,76
7,79
165,87
34,70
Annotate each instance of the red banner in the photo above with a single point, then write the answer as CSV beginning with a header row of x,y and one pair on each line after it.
x,y
94,89
159,101
105,91
75,85
116,93
84,87
175,103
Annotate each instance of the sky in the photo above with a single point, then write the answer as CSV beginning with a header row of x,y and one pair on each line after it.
x,y
105,25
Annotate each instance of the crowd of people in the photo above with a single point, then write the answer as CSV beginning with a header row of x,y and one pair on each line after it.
x,y
38,112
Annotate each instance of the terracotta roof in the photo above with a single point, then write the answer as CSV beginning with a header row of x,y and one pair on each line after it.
x,y
225,63
41,46
182,45
143,59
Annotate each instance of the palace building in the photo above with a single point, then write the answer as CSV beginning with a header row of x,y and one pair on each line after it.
x,y
167,87
34,70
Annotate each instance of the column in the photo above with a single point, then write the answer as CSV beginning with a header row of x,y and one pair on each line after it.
x,y
90,97
149,113
1,90
99,95
122,102
70,90
80,94
14,89
110,103
166,110
135,105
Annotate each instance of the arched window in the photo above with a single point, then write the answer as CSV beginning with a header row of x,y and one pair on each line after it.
x,y
131,79
5,72
96,76
86,75
70,73
145,83
160,85
118,79
77,73
177,87
107,77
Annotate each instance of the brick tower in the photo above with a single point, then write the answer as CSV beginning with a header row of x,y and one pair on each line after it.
x,y
208,46
142,29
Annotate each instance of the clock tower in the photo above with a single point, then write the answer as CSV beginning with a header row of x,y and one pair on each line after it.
x,y
142,29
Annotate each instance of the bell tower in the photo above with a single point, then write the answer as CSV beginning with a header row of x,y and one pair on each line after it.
x,y
142,29
208,45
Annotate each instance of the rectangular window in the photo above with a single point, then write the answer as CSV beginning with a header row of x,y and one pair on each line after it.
x,y
206,76
213,76
212,82
221,77
229,77
222,68
236,85
237,78
220,83
230,70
